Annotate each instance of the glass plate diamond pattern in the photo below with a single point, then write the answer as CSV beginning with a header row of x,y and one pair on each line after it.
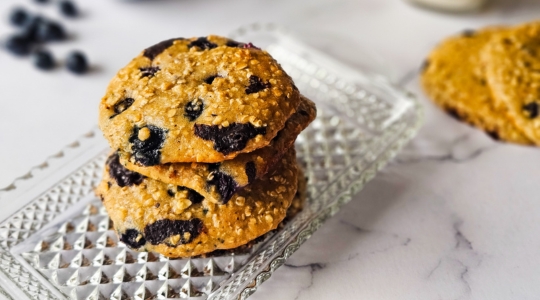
x,y
59,244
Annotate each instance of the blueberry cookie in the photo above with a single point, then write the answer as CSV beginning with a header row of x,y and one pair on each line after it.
x,y
220,181
454,78
512,70
202,99
176,222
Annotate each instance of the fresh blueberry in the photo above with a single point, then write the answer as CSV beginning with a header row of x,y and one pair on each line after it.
x,y
19,45
160,230
256,85
31,28
68,8
76,62
228,139
50,31
19,17
44,60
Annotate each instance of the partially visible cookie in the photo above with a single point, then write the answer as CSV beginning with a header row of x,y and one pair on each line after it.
x,y
512,61
453,77
202,99
154,216
220,181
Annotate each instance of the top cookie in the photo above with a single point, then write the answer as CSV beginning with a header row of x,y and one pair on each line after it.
x,y
512,65
202,99
454,78
220,181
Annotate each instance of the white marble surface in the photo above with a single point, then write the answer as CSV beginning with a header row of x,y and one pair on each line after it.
x,y
455,216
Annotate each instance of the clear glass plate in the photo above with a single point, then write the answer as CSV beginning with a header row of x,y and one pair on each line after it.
x,y
56,240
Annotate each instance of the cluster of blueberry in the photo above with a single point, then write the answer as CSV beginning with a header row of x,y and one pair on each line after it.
x,y
36,30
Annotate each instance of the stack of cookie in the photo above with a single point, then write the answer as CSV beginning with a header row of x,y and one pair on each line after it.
x,y
202,132
489,79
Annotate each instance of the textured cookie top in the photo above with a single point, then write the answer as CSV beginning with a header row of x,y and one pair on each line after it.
x,y
220,181
454,78
155,216
196,100
512,68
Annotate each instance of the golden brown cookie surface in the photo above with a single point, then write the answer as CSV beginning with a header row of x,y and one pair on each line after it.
x,y
512,69
219,182
196,100
454,79
154,216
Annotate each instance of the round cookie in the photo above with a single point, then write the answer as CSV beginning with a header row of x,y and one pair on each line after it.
x,y
202,99
512,70
219,182
453,78
154,216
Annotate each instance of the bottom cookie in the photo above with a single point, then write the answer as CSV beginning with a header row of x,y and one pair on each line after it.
x,y
151,215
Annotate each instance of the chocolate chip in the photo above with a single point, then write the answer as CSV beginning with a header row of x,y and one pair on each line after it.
x,y
251,171
202,43
148,152
256,85
133,239
303,113
225,185
121,106
228,139
192,195
210,79
149,71
120,174
153,51
532,109
468,33
160,230
193,109
170,193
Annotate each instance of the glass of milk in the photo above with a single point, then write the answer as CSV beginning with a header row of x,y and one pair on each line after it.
x,y
452,5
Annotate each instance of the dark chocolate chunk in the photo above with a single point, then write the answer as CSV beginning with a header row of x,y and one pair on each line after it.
x,y
153,51
225,185
120,174
160,230
121,106
192,195
210,79
130,239
228,139
148,152
251,171
256,85
193,109
532,109
202,43
149,71
170,193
